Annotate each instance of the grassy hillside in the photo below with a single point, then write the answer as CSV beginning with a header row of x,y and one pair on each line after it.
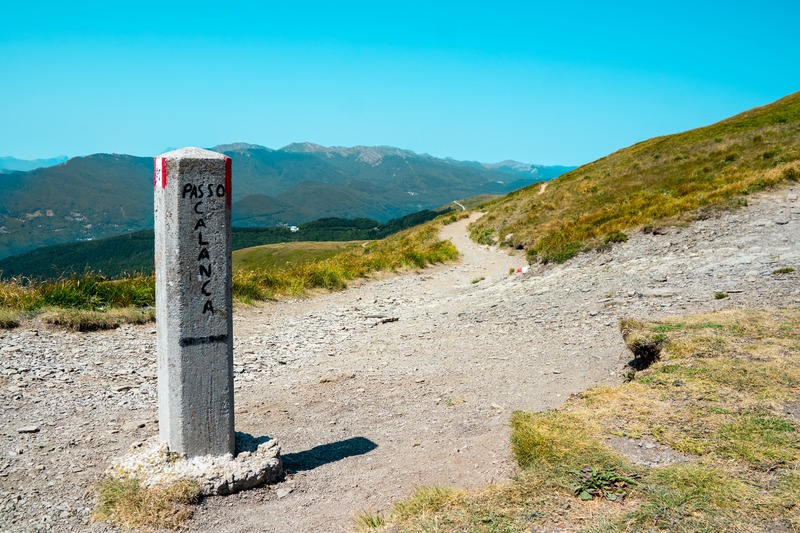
x,y
654,182
86,197
90,301
271,256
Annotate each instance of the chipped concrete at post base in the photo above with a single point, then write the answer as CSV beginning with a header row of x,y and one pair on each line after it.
x,y
257,462
193,302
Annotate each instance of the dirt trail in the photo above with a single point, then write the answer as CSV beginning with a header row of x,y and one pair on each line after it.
x,y
395,383
403,403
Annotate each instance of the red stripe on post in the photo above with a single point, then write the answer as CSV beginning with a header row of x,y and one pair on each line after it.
x,y
228,182
160,172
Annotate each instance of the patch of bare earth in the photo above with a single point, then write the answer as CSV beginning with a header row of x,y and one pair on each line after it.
x,y
398,382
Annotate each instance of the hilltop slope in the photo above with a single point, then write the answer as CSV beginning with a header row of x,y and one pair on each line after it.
x,y
650,183
84,198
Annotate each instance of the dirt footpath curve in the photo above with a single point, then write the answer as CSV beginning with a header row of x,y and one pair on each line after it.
x,y
395,383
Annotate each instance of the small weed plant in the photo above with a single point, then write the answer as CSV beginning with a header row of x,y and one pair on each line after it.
x,y
591,482
366,521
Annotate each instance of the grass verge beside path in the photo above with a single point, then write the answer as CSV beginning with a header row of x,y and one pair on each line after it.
x,y
415,248
89,302
721,398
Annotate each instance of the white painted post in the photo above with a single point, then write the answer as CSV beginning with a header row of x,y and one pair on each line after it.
x,y
193,301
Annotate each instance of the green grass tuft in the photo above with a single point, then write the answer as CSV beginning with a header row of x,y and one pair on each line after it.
x,y
616,236
760,439
690,497
88,320
560,254
557,439
426,501
367,520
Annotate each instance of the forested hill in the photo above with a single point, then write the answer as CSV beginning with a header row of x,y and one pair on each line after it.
x,y
133,253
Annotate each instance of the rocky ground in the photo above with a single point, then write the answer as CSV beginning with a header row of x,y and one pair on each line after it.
x,y
397,382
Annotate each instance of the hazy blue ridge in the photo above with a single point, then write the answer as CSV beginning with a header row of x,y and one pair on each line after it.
x,y
12,163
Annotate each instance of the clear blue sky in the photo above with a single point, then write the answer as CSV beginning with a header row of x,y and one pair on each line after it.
x,y
488,81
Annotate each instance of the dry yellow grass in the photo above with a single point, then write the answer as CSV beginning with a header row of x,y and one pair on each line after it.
x,y
126,504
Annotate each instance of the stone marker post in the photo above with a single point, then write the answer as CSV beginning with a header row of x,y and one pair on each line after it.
x,y
193,301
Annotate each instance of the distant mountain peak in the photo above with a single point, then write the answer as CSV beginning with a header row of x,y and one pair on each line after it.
x,y
510,164
371,155
239,147
304,148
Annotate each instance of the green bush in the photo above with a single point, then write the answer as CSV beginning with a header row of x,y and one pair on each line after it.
x,y
562,254
616,236
484,236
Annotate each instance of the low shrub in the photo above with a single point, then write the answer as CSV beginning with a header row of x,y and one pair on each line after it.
x,y
9,319
562,254
615,237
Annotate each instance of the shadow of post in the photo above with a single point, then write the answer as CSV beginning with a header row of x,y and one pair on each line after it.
x,y
246,442
327,453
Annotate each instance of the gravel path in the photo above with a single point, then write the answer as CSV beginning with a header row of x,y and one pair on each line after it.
x,y
395,383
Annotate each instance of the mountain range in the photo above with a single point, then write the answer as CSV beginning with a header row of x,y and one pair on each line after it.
x,y
12,163
103,195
